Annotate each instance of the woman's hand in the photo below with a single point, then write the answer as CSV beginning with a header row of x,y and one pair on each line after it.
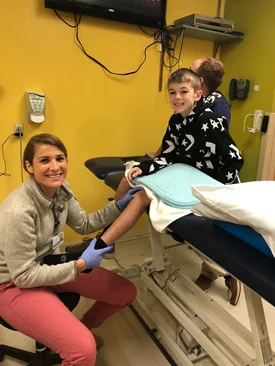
x,y
91,256
133,173
123,202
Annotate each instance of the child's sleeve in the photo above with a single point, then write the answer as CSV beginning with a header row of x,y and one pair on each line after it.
x,y
169,154
230,158
152,166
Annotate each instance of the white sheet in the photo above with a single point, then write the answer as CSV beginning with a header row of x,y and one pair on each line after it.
x,y
250,203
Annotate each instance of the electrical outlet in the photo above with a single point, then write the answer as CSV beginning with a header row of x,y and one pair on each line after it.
x,y
18,130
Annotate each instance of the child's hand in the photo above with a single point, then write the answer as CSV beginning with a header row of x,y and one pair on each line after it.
x,y
133,173
151,155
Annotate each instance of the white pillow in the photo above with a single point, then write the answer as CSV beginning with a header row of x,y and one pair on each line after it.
x,y
251,204
212,213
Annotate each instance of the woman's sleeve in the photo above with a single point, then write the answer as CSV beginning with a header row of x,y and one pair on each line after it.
x,y
84,223
19,239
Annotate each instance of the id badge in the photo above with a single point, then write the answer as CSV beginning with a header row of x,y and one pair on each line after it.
x,y
57,240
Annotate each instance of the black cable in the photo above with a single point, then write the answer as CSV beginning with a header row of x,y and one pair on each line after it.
x,y
169,47
148,34
68,24
175,45
152,334
153,278
104,67
3,156
181,44
216,50
168,278
21,158
171,66
94,59
166,281
165,39
160,36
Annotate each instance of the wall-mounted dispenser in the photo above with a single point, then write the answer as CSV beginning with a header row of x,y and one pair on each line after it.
x,y
36,107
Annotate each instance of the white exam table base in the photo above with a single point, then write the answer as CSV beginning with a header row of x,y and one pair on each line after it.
x,y
228,343
258,325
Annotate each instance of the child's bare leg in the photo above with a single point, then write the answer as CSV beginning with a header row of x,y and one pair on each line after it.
x,y
122,189
127,219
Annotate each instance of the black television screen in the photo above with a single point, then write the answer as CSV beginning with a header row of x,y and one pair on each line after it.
x,y
150,13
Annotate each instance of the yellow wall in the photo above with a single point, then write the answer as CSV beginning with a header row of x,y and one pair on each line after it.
x,y
253,59
95,114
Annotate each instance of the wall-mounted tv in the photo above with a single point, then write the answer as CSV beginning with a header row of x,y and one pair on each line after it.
x,y
150,13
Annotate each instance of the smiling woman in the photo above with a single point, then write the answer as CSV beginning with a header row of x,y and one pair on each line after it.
x,y
45,157
42,205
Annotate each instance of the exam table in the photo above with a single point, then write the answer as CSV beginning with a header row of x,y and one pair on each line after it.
x,y
203,327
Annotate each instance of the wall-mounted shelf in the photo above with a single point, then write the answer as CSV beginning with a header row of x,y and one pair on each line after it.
x,y
207,34
214,36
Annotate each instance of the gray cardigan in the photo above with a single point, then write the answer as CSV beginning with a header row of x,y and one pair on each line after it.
x,y
27,220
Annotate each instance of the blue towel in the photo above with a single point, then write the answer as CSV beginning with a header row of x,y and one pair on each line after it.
x,y
173,184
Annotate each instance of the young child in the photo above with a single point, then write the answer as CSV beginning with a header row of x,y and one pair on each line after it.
x,y
195,136
211,72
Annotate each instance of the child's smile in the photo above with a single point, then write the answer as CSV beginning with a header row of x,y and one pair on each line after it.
x,y
183,98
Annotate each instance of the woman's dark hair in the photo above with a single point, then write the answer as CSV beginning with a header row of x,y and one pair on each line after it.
x,y
41,139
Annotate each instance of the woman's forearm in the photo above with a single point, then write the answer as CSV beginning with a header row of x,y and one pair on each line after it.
x,y
80,265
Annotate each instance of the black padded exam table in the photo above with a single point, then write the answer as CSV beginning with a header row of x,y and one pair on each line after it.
x,y
250,266
253,268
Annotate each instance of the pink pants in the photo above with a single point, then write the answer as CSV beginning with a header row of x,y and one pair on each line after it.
x,y
39,314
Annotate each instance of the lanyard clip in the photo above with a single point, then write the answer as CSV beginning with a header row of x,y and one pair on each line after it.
x,y
56,224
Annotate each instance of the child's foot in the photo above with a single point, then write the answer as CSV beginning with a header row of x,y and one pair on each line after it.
x,y
110,254
80,247
234,289
204,282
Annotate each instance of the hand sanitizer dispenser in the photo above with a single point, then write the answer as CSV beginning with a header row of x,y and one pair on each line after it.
x,y
36,107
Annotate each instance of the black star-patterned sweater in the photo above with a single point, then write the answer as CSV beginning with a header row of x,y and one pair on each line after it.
x,y
201,140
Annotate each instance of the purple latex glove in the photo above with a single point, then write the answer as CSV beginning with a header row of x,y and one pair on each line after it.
x,y
124,201
92,256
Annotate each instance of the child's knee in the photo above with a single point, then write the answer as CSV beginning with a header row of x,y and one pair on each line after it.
x,y
142,198
124,182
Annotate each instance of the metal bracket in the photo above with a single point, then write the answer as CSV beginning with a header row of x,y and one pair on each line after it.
x,y
146,266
